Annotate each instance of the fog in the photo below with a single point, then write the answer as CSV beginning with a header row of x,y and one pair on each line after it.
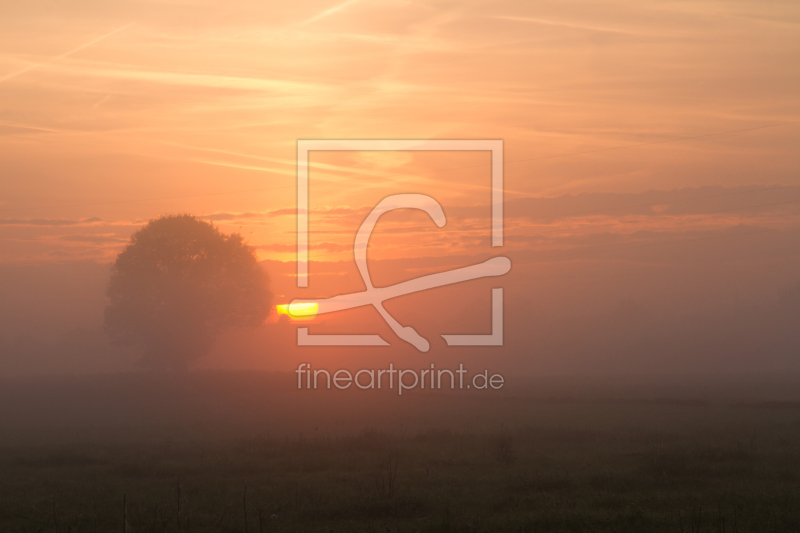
x,y
661,301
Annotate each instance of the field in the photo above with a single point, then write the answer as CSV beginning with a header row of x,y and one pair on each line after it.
x,y
249,453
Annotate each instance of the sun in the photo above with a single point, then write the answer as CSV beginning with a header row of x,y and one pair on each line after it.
x,y
298,310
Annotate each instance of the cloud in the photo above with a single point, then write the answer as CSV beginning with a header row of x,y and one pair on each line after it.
x,y
333,247
102,238
330,11
570,25
277,247
62,56
686,202
327,246
48,222
188,79
226,216
329,213
14,127
239,166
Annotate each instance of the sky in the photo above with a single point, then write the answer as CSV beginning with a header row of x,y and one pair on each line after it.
x,y
650,152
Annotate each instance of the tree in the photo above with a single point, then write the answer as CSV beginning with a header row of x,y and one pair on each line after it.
x,y
178,284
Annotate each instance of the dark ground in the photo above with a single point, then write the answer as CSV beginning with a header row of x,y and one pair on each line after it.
x,y
248,452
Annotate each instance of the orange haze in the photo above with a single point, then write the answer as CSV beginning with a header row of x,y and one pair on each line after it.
x,y
651,171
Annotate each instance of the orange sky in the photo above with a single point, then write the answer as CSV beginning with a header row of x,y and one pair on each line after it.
x,y
132,110
625,124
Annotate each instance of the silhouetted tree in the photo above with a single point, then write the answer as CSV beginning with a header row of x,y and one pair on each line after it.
x,y
178,284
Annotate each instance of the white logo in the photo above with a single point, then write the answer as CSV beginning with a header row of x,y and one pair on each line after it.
x,y
375,296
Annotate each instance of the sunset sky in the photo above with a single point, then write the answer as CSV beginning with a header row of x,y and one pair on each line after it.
x,y
625,124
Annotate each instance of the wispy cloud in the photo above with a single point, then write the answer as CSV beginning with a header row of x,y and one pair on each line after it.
x,y
327,246
330,11
64,55
51,222
17,125
333,173
571,25
229,164
225,217
329,213
99,238
218,81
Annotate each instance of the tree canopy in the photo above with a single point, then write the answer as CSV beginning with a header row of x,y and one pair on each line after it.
x,y
178,284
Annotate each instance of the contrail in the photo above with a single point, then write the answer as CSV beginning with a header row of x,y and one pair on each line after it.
x,y
62,56
566,25
330,11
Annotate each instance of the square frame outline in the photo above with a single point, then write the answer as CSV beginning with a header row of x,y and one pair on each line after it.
x,y
305,146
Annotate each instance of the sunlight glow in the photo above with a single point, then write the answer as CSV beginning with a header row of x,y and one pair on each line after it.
x,y
298,310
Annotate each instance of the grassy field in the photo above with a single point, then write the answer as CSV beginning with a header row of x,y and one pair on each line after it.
x,y
265,459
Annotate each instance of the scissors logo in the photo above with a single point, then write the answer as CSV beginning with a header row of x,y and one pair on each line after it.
x,y
375,296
